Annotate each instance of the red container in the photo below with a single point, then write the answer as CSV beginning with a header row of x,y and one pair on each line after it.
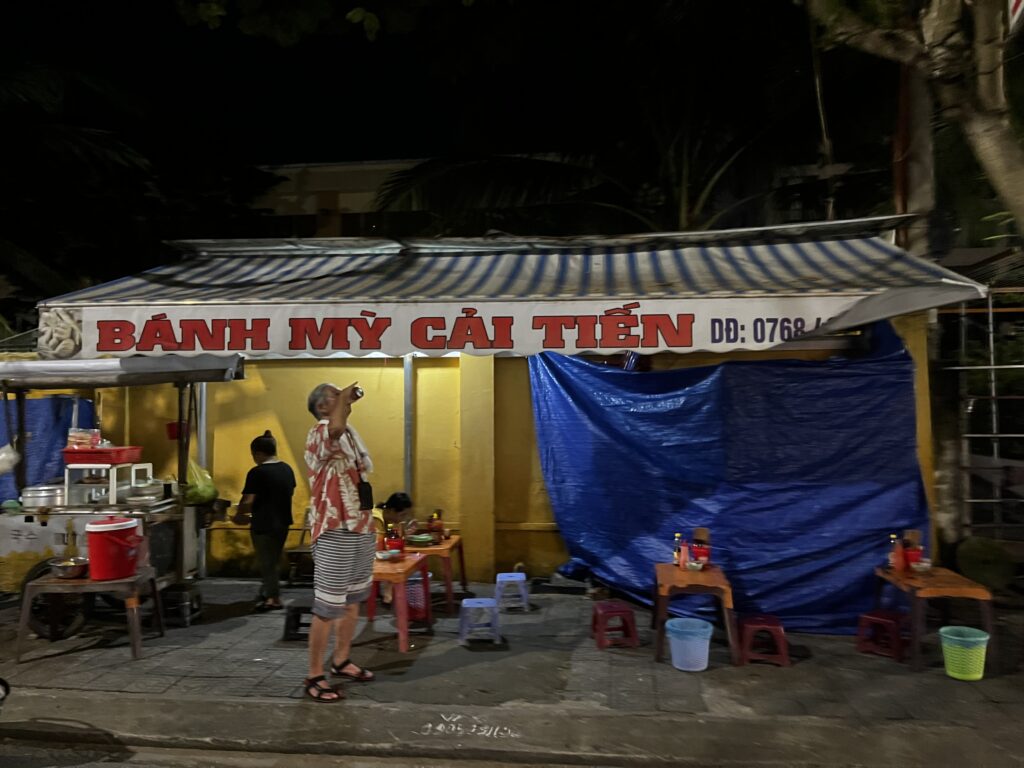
x,y
113,548
913,554
700,552
121,454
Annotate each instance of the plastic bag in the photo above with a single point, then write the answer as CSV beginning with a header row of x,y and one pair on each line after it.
x,y
8,459
200,488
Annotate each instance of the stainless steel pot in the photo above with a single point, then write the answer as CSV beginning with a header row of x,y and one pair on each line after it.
x,y
35,496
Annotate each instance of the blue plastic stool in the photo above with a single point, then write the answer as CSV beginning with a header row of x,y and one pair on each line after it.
x,y
467,625
517,579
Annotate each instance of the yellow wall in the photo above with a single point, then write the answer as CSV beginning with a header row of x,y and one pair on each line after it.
x,y
475,452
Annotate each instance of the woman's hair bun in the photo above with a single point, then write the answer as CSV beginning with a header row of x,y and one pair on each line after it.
x,y
265,443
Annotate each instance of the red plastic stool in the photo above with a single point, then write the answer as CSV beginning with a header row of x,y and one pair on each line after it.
x,y
600,627
879,632
749,627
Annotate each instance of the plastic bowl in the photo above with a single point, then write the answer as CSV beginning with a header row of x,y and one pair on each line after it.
x,y
693,565
382,555
921,566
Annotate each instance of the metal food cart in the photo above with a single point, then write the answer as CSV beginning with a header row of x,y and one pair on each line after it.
x,y
173,528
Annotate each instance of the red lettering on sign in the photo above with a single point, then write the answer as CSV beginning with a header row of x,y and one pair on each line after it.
x,y
678,335
158,331
210,335
586,335
617,326
370,331
258,333
114,335
307,333
421,326
554,327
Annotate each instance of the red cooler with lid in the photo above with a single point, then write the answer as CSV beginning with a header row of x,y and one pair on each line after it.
x,y
113,548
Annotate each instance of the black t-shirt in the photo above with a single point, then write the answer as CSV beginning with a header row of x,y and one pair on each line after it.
x,y
272,483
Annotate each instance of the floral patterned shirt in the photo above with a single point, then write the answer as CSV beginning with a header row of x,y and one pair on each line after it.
x,y
334,471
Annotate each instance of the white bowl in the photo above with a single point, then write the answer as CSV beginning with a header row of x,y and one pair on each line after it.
x,y
920,566
694,565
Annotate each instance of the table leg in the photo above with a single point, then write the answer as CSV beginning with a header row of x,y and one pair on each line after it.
x,y
446,570
917,607
54,608
371,602
131,606
988,622
158,606
879,586
26,611
426,593
462,569
661,614
729,619
400,605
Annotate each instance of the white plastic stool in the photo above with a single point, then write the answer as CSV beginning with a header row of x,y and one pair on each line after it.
x,y
466,614
519,581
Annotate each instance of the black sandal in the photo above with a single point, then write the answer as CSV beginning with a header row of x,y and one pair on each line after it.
x,y
319,694
362,676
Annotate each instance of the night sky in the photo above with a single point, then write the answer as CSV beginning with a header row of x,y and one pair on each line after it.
x,y
499,76
123,126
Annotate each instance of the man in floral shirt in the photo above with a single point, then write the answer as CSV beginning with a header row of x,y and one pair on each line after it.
x,y
342,534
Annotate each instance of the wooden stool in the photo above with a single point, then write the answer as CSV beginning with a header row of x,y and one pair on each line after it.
x,y
750,626
604,610
880,632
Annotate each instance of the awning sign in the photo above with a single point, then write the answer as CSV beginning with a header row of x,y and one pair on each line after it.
x,y
514,328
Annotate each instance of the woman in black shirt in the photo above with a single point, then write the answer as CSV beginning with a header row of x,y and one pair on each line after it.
x,y
267,504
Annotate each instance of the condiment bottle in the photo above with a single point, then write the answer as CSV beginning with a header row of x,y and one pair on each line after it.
x,y
436,526
684,554
393,539
676,548
896,557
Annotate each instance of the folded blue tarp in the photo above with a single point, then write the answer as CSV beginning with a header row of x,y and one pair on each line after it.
x,y
47,420
800,469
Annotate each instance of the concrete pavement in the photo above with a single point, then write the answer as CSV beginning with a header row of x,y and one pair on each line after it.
x,y
546,695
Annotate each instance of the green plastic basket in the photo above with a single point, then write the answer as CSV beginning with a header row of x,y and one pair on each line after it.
x,y
963,651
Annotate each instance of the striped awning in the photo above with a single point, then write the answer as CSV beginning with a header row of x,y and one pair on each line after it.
x,y
868,277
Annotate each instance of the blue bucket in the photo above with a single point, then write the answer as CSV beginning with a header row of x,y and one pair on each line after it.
x,y
689,641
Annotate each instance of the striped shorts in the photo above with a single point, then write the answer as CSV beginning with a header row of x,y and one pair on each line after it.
x,y
342,571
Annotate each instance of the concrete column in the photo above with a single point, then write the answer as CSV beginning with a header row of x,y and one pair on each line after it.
x,y
476,464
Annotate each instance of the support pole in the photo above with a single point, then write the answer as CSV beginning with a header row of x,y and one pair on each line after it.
x,y
409,415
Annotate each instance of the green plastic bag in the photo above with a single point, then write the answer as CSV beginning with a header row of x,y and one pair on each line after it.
x,y
200,488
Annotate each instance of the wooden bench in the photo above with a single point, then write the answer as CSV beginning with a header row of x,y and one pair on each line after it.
x,y
130,589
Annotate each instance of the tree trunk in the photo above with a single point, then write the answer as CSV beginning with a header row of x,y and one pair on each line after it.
x,y
999,153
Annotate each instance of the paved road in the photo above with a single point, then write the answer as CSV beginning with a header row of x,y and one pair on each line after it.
x,y
13,755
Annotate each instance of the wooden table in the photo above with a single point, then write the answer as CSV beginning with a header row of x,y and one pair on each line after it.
x,y
672,580
398,573
130,589
935,582
444,551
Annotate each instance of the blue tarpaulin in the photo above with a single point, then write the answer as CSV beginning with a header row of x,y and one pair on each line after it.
x,y
46,425
800,469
